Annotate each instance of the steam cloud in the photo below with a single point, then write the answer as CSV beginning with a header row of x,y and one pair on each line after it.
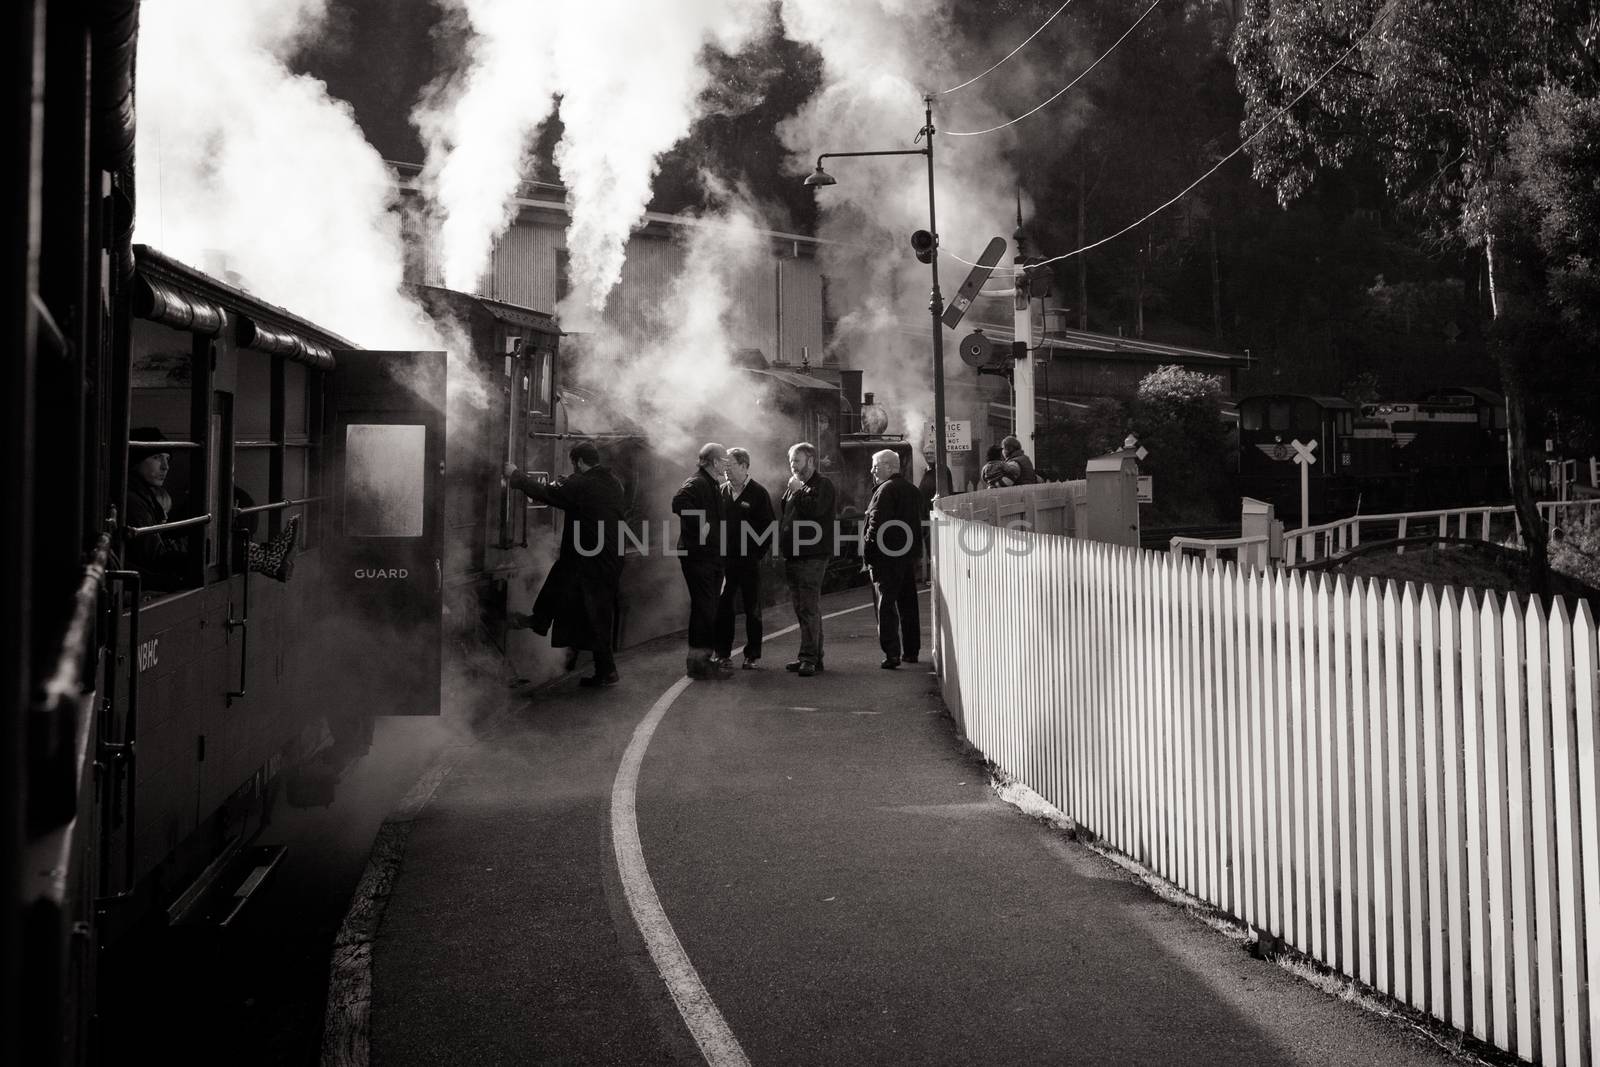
x,y
257,175
879,58
629,81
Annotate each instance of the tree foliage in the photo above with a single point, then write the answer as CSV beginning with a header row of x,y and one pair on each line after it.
x,y
1430,91
1177,416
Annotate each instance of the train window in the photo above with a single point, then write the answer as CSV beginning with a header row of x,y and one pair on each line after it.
x,y
252,404
1278,415
385,473
1249,416
252,474
296,409
538,384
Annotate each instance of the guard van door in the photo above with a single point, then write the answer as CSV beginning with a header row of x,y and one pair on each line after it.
x,y
386,531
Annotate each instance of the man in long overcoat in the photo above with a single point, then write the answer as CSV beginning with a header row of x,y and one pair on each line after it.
x,y
577,605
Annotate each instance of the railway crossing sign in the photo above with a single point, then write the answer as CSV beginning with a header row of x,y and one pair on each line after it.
x,y
1303,456
969,288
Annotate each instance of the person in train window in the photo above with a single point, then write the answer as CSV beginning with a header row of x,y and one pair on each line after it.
x,y
274,558
160,558
698,503
748,507
806,537
577,605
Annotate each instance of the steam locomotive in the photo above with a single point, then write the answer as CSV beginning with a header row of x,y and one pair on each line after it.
x,y
157,721
1446,449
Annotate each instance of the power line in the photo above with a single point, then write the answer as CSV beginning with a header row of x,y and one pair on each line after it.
x,y
1011,53
1064,88
1388,9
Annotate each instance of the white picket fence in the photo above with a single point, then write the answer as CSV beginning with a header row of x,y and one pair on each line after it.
x,y
1398,784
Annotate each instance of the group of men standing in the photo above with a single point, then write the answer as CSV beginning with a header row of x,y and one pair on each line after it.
x,y
727,524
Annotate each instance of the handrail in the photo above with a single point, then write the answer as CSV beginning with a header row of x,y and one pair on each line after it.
x,y
277,505
167,527
124,755
67,679
241,623
165,446
1209,547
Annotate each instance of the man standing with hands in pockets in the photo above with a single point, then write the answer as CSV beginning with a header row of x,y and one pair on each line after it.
x,y
805,537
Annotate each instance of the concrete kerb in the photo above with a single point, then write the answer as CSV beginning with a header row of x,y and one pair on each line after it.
x,y
347,1018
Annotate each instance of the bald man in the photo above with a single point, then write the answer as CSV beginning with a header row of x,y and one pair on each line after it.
x,y
698,505
891,544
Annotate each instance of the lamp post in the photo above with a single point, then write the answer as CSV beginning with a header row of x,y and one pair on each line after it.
x,y
820,177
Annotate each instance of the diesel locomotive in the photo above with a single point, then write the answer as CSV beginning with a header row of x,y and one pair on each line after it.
x,y
1446,449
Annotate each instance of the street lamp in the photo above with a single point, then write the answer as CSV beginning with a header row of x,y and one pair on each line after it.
x,y
819,178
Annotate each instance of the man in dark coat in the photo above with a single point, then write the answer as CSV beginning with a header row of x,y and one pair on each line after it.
x,y
698,505
749,532
160,558
891,544
806,536
1012,449
579,595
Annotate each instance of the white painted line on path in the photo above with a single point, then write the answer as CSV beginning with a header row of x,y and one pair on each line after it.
x,y
699,1011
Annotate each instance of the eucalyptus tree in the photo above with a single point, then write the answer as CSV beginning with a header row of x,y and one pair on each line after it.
x,y
1431,90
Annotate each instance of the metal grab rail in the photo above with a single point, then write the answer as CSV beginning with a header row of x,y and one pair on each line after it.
x,y
168,527
52,798
277,505
165,446
242,623
121,758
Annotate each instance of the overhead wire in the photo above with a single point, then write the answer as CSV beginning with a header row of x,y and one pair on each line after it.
x,y
1064,88
1011,53
1388,9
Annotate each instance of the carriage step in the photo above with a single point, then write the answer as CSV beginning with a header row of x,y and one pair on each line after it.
x,y
220,897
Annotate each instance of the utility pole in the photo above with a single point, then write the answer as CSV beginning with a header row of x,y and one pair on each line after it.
x,y
1022,334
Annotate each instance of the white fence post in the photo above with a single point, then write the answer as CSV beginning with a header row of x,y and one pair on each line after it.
x,y
1399,783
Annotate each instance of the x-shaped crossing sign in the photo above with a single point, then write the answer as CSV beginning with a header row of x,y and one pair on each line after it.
x,y
1302,452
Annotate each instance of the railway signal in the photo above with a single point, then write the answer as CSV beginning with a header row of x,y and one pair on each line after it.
x,y
969,288
1303,456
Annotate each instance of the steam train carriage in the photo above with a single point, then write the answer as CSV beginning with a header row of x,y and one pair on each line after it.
x,y
159,712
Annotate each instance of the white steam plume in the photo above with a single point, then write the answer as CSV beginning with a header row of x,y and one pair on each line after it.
x,y
246,166
879,58
629,82
668,368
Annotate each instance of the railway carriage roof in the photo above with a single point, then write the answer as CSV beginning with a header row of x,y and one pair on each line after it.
x,y
166,277
510,314
1337,403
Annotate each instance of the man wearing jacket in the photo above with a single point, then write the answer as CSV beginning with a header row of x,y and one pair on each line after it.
x,y
577,604
805,537
698,505
891,544
749,534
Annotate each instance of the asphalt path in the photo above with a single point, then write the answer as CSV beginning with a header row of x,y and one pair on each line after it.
x,y
838,873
